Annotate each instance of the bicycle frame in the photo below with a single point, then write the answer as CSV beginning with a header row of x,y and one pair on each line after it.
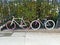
x,y
22,21
43,23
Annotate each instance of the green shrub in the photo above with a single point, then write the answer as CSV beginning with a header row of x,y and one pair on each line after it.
x,y
45,9
29,10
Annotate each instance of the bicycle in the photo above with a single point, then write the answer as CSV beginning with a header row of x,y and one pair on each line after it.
x,y
48,24
11,25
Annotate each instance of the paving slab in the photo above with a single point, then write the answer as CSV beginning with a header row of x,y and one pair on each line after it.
x,y
12,40
34,38
31,37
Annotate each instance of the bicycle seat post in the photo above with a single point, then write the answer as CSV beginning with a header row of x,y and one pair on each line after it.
x,y
37,19
13,17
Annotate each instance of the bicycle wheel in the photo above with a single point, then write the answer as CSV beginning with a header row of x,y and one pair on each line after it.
x,y
35,25
50,24
9,26
27,26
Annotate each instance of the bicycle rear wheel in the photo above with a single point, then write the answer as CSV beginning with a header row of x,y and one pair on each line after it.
x,y
35,25
27,25
9,26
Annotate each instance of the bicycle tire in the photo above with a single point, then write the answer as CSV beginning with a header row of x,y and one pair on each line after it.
x,y
37,27
51,27
8,24
27,25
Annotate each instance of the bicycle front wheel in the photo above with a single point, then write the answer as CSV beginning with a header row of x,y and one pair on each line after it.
x,y
9,26
50,24
35,25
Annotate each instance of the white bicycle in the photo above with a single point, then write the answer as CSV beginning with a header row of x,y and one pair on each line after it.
x,y
48,24
11,25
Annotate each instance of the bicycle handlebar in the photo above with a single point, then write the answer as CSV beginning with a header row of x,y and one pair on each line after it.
x,y
17,18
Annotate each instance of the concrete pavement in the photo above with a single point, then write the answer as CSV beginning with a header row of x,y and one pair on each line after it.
x,y
32,38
